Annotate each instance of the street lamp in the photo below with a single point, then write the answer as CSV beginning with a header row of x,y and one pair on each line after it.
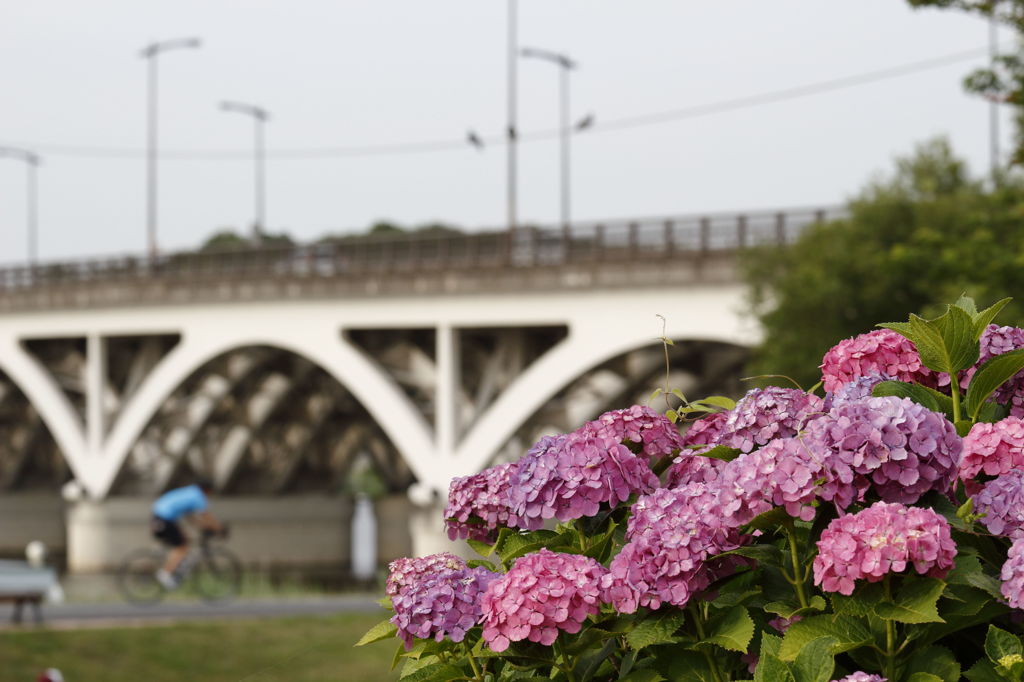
x,y
260,117
151,52
565,65
32,162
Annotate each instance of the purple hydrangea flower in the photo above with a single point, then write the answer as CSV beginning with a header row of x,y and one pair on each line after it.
x,y
543,593
439,604
409,570
782,624
670,536
861,387
1001,500
861,677
993,449
478,505
571,476
881,351
894,445
996,340
652,432
784,473
764,414
884,538
1012,575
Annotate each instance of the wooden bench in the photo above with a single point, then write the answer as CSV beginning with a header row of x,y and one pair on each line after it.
x,y
23,584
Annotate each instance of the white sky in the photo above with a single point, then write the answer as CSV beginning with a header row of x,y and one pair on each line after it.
x,y
364,72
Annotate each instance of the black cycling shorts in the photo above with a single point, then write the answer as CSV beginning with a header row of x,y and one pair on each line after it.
x,y
167,532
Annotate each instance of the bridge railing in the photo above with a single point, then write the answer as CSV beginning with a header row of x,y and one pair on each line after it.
x,y
366,255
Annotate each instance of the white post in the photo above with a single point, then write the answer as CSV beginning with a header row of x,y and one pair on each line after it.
x,y
95,384
446,397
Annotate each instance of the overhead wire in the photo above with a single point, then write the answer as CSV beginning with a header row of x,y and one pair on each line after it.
x,y
607,126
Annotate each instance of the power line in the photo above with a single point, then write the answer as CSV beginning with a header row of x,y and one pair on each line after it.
x,y
611,125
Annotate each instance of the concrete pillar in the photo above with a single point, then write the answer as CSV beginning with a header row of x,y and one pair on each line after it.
x,y
95,385
448,366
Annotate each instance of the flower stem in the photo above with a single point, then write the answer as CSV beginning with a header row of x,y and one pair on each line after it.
x,y
565,667
698,621
477,675
890,638
799,576
954,385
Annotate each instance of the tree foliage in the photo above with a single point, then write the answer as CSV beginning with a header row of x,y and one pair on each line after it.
x,y
912,240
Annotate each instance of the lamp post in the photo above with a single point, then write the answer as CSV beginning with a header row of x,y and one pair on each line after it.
x,y
260,117
565,65
512,136
32,162
151,52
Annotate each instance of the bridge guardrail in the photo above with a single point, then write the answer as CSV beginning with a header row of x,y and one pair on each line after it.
x,y
375,255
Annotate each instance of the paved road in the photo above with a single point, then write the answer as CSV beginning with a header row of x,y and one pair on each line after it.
x,y
69,616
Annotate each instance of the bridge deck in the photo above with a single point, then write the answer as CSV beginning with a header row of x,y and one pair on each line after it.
x,y
646,252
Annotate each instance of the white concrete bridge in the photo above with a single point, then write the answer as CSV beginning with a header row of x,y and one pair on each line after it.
x,y
288,372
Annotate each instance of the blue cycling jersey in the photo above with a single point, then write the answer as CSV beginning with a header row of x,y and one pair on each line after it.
x,y
179,502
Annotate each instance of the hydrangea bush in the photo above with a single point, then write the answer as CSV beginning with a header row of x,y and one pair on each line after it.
x,y
874,533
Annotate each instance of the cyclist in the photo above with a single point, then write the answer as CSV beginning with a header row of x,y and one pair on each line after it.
x,y
190,501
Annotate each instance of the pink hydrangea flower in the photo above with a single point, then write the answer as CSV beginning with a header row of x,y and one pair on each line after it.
x,y
670,536
884,538
1012,575
861,677
891,444
652,433
993,449
1001,500
478,505
881,351
689,466
439,604
543,593
764,414
409,570
784,473
571,476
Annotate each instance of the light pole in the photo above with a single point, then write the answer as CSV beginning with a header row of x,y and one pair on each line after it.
x,y
565,65
151,52
32,162
513,61
260,117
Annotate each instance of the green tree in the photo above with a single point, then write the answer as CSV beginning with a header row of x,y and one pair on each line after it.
x,y
912,241
1002,81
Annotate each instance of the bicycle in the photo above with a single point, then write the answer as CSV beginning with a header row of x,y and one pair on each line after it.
x,y
212,571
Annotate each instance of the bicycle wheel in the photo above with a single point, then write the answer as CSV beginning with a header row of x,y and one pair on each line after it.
x,y
217,575
136,579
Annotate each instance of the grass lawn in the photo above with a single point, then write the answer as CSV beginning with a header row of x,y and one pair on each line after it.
x,y
303,649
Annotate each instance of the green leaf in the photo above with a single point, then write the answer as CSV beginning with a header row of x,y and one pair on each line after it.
x,y
435,672
517,544
916,602
771,668
658,628
815,663
966,303
645,675
961,345
718,401
732,631
925,397
764,554
991,376
936,661
983,671
847,631
682,666
1000,643
769,519
381,630
924,677
860,603
481,548
984,318
721,452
